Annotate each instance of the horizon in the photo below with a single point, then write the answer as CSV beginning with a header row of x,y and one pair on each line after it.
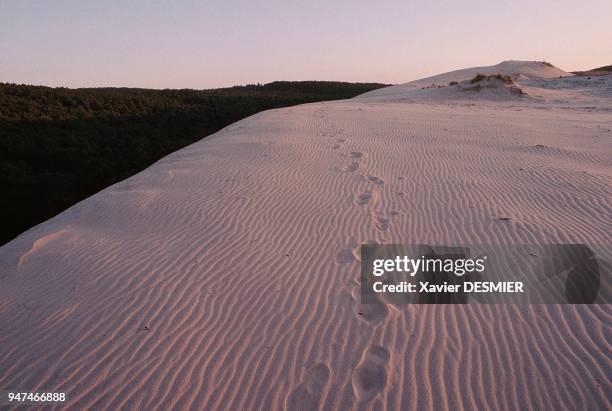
x,y
218,45
189,88
273,81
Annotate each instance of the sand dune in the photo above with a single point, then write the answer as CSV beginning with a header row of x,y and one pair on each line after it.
x,y
518,70
225,276
513,68
533,85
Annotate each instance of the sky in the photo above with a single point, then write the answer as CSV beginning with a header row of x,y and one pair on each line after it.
x,y
217,43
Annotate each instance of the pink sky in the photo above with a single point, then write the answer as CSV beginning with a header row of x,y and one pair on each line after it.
x,y
202,44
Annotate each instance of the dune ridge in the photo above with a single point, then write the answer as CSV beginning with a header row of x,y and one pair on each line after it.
x,y
514,68
225,276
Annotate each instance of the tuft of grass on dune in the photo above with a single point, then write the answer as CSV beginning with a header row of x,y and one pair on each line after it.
x,y
480,77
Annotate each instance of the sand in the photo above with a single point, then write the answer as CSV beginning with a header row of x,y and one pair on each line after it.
x,y
225,276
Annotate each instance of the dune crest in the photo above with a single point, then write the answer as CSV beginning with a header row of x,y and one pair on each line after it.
x,y
516,70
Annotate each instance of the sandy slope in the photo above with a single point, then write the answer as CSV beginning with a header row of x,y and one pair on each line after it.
x,y
225,275
520,70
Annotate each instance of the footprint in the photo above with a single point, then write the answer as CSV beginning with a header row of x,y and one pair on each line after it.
x,y
316,378
307,395
356,155
351,168
370,376
345,256
381,222
349,253
364,198
372,313
376,180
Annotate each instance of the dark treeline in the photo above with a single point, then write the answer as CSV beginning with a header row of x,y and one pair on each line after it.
x,y
59,145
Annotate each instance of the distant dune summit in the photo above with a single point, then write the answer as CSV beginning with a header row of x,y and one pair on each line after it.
x,y
501,76
519,70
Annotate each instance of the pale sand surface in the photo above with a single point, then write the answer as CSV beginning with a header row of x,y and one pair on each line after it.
x,y
225,276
